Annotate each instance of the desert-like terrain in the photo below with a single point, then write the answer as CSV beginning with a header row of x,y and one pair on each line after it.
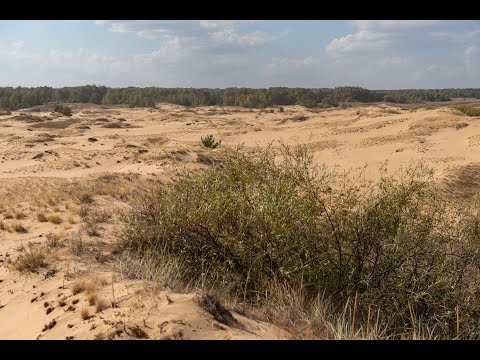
x,y
65,181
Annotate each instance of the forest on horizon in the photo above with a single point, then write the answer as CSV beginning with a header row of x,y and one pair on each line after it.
x,y
23,97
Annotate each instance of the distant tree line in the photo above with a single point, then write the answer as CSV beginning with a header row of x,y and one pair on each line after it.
x,y
21,97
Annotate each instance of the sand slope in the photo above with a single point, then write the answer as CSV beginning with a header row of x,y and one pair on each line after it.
x,y
47,162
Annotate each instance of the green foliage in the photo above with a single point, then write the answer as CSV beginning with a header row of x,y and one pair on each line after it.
x,y
116,125
16,98
257,222
468,110
209,142
64,110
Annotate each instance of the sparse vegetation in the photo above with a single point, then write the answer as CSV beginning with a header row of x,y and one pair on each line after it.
x,y
30,260
54,219
64,110
85,198
76,244
41,217
19,228
92,299
210,142
84,314
100,305
391,111
78,287
257,226
53,240
117,125
90,226
468,110
71,219
20,215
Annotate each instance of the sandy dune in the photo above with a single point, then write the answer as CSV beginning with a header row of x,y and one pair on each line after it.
x,y
48,163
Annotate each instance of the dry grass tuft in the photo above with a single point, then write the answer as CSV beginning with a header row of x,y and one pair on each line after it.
x,y
19,228
20,215
92,298
42,218
76,244
71,219
54,219
85,198
30,260
84,314
100,305
53,240
78,287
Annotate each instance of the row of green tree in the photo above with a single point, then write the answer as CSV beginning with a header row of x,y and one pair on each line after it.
x,y
21,97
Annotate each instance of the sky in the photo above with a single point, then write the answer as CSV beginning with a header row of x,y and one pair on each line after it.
x,y
374,54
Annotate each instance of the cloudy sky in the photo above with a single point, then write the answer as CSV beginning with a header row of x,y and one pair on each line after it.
x,y
375,54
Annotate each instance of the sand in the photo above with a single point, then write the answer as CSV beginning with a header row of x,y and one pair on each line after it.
x,y
48,162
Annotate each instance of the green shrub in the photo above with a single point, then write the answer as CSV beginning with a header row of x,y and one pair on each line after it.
x,y
260,222
467,110
116,125
209,142
64,110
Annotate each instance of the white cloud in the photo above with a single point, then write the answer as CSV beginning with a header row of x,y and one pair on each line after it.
x,y
169,52
229,36
361,41
397,35
204,31
472,58
18,45
389,25
215,24
286,65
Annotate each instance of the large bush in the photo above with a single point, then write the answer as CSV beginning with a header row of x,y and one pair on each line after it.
x,y
269,219
64,110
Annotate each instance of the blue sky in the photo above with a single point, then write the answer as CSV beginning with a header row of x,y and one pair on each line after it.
x,y
376,54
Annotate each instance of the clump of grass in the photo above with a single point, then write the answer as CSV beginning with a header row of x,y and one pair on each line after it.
x,y
85,198
30,260
260,223
76,244
20,215
391,111
54,219
100,305
210,142
53,240
92,299
19,228
468,110
90,226
41,217
84,314
116,125
78,287
71,219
